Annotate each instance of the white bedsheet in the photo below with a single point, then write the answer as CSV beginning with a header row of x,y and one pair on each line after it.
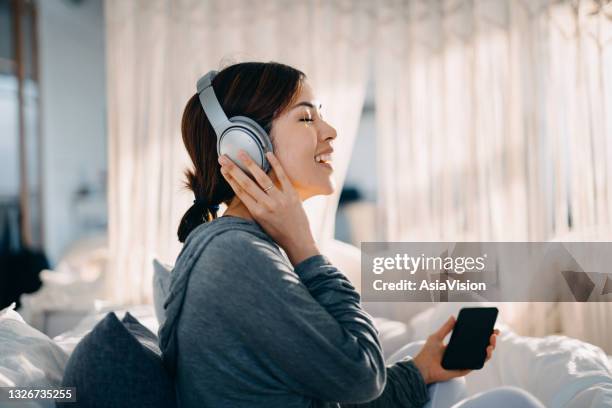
x,y
28,358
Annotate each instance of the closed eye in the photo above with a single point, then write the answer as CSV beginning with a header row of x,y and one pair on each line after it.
x,y
306,116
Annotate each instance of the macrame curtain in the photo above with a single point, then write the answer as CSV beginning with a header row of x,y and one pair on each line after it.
x,y
494,118
156,51
494,123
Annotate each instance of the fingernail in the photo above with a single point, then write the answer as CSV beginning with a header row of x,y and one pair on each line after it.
x,y
242,155
222,160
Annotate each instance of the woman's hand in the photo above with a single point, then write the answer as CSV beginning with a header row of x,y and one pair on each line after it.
x,y
278,210
429,358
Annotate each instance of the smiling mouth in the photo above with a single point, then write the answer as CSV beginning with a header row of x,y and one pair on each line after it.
x,y
325,158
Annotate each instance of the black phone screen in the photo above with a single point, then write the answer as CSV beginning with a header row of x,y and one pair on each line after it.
x,y
467,347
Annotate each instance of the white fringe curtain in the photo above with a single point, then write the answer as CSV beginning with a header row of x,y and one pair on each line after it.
x,y
493,119
156,51
494,123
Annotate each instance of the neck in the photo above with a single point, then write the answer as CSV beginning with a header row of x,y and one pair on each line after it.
x,y
236,208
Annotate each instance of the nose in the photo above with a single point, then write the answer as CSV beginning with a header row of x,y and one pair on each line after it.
x,y
329,132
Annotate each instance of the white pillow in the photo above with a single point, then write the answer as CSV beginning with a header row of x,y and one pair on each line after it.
x,y
28,358
161,288
392,334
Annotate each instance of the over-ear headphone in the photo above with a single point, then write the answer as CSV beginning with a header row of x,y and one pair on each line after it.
x,y
235,133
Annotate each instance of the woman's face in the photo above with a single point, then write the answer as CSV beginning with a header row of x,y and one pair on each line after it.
x,y
302,142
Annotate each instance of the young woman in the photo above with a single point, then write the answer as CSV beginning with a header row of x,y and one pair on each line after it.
x,y
257,316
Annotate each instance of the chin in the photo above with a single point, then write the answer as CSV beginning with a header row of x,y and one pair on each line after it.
x,y
324,190
316,187
328,189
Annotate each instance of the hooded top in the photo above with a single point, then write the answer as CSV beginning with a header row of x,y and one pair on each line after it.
x,y
244,328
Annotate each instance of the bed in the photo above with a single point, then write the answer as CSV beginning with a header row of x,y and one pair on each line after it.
x,y
560,371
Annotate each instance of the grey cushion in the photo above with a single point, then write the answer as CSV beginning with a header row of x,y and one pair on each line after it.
x,y
161,288
118,364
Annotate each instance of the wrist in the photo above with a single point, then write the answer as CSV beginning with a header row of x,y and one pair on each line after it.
x,y
298,254
422,367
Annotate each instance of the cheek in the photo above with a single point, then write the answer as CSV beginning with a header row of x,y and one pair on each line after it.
x,y
295,150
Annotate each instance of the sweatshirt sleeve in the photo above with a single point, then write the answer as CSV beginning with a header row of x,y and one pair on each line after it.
x,y
405,388
305,323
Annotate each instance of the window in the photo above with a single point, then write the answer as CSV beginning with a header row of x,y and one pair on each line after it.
x,y
357,209
20,188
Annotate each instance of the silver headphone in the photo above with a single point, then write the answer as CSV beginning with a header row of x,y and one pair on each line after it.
x,y
235,133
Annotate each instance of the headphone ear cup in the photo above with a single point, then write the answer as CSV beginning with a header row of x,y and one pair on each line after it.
x,y
247,135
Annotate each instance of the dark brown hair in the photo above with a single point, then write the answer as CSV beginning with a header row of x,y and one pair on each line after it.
x,y
258,90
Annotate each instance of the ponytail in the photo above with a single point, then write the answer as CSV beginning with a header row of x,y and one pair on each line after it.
x,y
199,213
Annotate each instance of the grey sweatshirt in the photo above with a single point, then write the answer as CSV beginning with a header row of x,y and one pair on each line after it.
x,y
244,328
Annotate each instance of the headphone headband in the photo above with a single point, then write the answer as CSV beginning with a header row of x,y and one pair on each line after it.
x,y
233,134
210,103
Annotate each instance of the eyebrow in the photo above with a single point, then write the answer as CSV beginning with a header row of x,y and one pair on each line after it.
x,y
307,104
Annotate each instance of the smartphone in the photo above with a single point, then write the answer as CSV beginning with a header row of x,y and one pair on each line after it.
x,y
467,347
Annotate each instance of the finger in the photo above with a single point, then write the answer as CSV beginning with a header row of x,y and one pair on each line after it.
x,y
242,194
279,171
262,178
496,332
245,182
493,340
445,328
489,353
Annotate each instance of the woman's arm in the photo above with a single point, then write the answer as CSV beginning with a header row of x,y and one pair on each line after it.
x,y
407,379
304,324
308,326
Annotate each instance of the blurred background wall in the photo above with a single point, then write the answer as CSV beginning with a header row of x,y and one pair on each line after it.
x,y
53,97
73,118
